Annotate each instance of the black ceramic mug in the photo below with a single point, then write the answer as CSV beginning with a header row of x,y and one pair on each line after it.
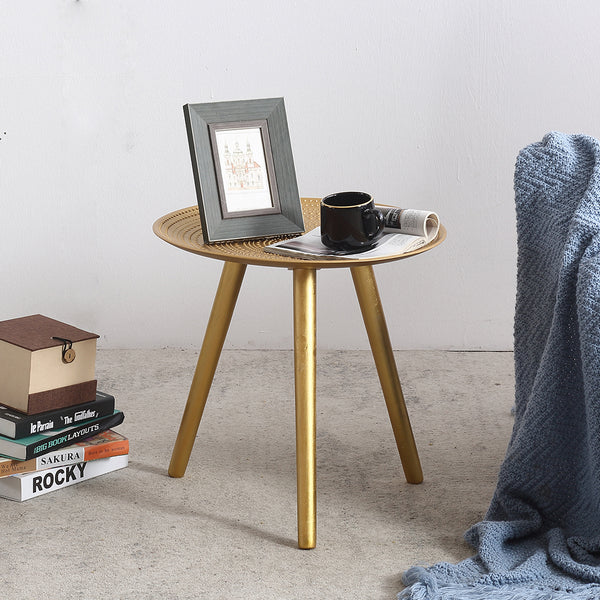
x,y
350,222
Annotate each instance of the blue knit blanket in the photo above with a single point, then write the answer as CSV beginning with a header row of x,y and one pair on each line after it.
x,y
540,539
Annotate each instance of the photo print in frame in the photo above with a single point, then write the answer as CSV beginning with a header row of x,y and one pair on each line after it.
x,y
243,169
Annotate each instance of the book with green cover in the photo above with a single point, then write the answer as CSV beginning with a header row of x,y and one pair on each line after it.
x,y
41,443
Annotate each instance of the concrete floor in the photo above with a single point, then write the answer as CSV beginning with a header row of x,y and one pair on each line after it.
x,y
227,530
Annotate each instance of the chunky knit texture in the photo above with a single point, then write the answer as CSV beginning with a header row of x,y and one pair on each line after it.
x,y
540,539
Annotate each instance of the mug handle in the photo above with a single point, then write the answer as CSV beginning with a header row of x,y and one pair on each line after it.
x,y
374,221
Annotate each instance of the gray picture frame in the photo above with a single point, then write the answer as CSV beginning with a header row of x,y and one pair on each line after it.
x,y
282,213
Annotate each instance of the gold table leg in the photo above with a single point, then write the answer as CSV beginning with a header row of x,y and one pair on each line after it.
x,y
372,312
214,338
305,357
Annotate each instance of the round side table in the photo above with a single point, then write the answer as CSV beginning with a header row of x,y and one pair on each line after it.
x,y
182,229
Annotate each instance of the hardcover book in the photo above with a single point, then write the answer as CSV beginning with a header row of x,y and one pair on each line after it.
x,y
45,364
15,424
30,485
39,444
102,445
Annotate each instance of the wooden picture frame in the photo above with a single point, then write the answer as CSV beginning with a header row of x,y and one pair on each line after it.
x,y
243,169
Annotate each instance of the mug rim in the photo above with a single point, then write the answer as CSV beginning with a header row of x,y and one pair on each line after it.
x,y
324,200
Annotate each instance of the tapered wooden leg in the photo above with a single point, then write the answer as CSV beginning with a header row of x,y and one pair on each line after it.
x,y
216,330
372,312
305,380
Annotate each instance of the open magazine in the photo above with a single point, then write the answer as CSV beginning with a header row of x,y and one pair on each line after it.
x,y
405,230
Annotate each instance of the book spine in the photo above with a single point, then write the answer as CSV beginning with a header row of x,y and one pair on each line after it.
x,y
75,434
38,483
102,406
14,467
115,448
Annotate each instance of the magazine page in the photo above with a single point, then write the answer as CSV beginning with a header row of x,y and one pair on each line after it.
x,y
410,221
310,246
405,230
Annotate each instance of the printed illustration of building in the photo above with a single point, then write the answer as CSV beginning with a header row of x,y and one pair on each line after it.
x,y
242,172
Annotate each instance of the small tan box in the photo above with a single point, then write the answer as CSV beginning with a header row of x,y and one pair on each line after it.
x,y
45,364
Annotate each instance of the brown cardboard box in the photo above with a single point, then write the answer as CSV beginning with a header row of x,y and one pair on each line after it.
x,y
36,374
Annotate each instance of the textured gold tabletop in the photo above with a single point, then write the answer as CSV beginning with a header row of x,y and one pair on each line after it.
x,y
182,229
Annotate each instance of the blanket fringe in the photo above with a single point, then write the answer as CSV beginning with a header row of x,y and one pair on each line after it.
x,y
422,585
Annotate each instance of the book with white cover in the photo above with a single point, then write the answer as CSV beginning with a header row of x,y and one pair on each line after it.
x,y
30,485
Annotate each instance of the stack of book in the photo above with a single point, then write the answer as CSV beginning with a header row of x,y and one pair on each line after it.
x,y
56,428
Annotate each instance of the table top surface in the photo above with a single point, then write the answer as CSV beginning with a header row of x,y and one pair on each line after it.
x,y
182,229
